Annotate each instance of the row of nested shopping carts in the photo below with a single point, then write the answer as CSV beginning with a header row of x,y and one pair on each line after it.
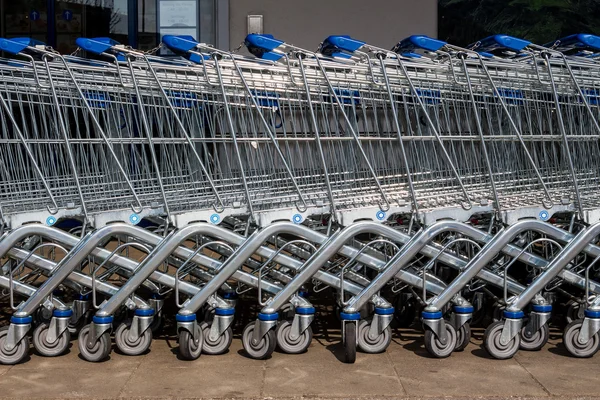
x,y
431,177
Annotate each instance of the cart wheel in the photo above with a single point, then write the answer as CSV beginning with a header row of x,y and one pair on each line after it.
x,y
190,348
373,346
536,341
292,346
47,349
17,354
349,341
156,323
571,342
215,347
491,340
575,311
99,351
264,348
132,347
463,337
435,347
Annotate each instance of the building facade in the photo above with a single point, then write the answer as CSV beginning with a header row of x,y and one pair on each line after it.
x,y
224,23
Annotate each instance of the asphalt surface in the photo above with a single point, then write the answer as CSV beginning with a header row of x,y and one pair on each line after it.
x,y
404,371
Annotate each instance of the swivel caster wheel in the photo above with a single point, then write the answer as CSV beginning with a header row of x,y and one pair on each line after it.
x,y
99,351
535,341
16,355
463,337
373,346
218,346
47,349
76,326
132,347
571,341
491,340
156,324
575,311
289,345
264,348
435,347
349,341
190,348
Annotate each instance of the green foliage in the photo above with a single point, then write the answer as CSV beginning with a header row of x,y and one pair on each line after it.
x,y
540,21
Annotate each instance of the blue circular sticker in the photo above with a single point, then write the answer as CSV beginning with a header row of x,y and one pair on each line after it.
x,y
297,218
544,215
134,219
215,218
380,215
50,221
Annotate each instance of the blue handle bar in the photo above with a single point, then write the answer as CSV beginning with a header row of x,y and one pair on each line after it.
x,y
17,45
415,42
496,42
96,45
578,41
262,46
181,43
340,46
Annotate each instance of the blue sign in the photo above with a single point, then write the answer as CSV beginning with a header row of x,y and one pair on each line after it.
x,y
34,15
67,15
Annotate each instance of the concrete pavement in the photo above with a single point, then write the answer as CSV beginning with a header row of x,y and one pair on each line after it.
x,y
404,371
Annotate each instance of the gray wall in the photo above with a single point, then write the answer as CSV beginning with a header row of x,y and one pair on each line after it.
x,y
306,23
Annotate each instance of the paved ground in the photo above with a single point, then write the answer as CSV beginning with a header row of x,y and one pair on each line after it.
x,y
404,371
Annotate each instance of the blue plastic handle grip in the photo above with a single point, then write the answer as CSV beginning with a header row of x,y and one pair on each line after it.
x,y
496,42
578,41
342,43
415,42
181,43
96,45
262,46
17,45
263,42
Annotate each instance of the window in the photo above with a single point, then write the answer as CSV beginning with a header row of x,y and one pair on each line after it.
x,y
27,18
147,24
89,18
139,23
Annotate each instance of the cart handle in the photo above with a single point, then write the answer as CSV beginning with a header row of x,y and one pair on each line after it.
x,y
418,42
581,41
340,46
495,42
101,45
184,44
18,45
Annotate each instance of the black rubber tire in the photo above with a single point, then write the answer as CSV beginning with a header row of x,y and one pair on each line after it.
x,y
101,349
349,341
265,347
46,349
219,346
18,354
463,337
537,341
574,311
491,340
367,345
129,348
190,349
435,347
288,345
570,340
